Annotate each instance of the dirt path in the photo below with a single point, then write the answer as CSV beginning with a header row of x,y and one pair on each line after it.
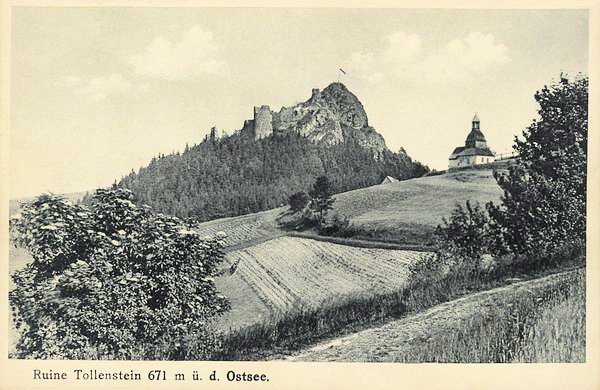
x,y
383,343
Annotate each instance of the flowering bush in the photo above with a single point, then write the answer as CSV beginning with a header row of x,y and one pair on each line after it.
x,y
112,280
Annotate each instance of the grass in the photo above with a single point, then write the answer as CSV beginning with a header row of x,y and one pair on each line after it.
x,y
243,230
542,326
403,213
558,332
429,285
407,212
291,330
356,242
408,234
422,201
289,272
488,326
246,306
517,328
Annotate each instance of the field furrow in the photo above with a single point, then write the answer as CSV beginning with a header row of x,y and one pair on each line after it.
x,y
291,272
265,287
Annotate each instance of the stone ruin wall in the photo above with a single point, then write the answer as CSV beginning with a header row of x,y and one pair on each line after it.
x,y
263,122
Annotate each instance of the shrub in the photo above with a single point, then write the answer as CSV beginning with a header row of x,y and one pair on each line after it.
x,y
298,201
312,211
111,280
537,216
466,235
335,224
297,220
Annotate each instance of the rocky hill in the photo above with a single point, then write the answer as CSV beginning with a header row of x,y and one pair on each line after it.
x,y
328,117
274,155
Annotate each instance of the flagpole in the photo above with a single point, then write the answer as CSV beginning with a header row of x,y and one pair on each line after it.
x,y
340,71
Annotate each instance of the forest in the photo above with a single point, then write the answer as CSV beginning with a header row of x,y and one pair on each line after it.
x,y
238,175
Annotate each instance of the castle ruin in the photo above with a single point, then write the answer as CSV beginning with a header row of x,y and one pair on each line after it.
x,y
214,134
263,126
316,94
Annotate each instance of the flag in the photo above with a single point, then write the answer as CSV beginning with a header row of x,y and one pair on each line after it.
x,y
342,70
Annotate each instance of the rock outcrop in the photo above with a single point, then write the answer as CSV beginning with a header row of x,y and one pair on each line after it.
x,y
330,116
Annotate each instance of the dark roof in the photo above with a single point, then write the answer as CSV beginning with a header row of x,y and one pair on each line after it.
x,y
389,179
475,135
458,152
475,118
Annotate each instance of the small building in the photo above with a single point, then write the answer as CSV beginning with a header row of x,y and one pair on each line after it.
x,y
389,179
475,150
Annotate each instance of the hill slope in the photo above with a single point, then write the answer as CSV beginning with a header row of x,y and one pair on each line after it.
x,y
254,242
288,273
271,157
410,209
255,245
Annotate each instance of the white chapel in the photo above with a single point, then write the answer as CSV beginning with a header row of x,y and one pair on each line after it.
x,y
475,150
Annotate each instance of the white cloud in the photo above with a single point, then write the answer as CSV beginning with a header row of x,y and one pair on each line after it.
x,y
403,57
193,56
99,88
459,58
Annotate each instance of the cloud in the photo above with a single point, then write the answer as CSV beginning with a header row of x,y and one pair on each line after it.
x,y
462,57
403,57
99,88
193,56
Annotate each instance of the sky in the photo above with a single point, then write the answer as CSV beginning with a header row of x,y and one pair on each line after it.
x,y
97,92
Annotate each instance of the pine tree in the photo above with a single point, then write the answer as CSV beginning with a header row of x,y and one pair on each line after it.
x,y
321,198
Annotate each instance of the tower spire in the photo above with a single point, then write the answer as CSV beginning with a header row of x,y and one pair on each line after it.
x,y
475,123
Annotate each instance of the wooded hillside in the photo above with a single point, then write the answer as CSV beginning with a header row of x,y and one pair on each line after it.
x,y
237,175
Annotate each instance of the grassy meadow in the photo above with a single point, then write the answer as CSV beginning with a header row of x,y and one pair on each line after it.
x,y
558,332
408,211
541,320
405,212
